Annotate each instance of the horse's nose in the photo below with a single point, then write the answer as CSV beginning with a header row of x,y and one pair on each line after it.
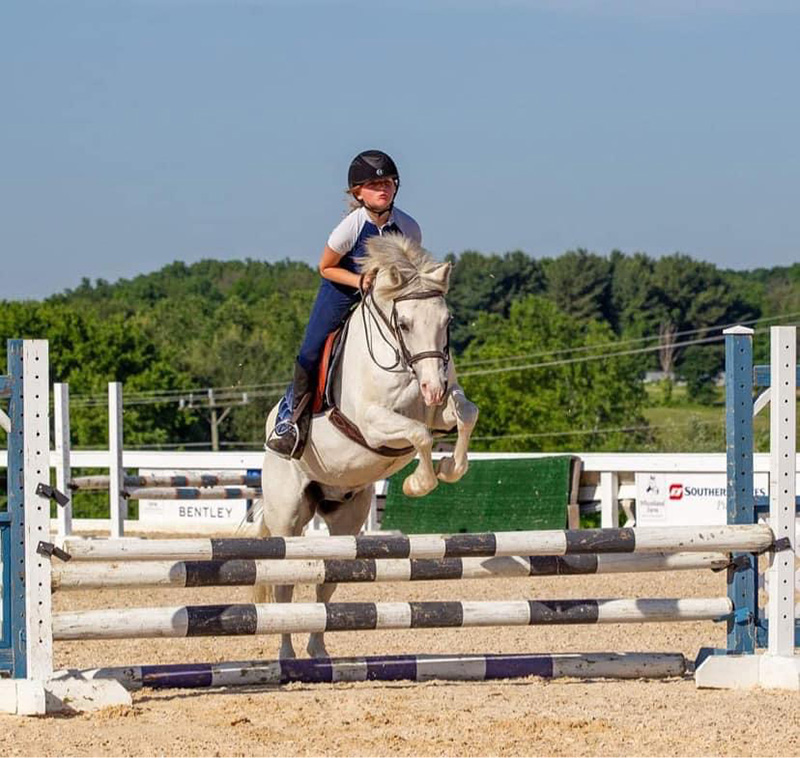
x,y
432,393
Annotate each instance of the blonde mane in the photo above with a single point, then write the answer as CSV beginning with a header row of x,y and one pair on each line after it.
x,y
411,261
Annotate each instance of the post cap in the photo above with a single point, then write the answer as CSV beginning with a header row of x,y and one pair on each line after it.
x,y
739,330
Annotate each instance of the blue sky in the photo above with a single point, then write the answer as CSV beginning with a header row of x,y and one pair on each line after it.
x,y
138,132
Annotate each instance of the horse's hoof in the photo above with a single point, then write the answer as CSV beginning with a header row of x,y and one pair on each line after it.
x,y
317,651
448,471
411,488
286,653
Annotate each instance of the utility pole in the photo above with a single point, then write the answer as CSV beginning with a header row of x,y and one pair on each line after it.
x,y
225,402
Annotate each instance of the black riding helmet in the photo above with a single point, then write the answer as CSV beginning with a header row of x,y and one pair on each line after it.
x,y
370,165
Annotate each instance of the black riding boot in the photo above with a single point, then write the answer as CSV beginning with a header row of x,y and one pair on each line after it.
x,y
288,438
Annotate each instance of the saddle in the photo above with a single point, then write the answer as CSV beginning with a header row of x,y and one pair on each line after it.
x,y
331,356
323,401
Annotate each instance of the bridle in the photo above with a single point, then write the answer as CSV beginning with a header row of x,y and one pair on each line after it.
x,y
404,359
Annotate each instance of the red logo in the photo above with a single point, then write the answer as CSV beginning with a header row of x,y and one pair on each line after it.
x,y
675,491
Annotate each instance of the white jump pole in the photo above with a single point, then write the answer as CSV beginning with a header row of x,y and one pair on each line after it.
x,y
755,538
62,455
88,575
297,618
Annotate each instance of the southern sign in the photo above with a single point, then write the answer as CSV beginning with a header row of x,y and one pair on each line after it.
x,y
687,499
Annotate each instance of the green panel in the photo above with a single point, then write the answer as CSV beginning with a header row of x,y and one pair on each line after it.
x,y
494,496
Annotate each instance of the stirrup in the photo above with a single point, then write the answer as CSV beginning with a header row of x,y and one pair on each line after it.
x,y
287,426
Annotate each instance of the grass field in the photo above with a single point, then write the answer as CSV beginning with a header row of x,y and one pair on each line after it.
x,y
683,426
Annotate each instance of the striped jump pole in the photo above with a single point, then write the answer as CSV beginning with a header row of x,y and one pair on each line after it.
x,y
295,618
752,538
193,493
91,575
219,479
396,668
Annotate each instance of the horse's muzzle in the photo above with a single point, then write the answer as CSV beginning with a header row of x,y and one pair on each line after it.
x,y
433,393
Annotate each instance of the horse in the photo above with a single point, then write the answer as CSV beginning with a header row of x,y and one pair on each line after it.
x,y
392,388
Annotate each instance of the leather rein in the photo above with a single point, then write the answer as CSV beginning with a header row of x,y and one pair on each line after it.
x,y
404,359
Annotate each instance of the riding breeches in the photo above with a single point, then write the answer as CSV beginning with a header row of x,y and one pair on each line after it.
x,y
332,305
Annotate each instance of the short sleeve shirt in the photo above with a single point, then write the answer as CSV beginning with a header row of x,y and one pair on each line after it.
x,y
350,236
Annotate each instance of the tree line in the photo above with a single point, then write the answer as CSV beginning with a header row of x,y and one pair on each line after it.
x,y
577,321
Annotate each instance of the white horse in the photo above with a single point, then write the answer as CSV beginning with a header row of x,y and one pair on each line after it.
x,y
394,385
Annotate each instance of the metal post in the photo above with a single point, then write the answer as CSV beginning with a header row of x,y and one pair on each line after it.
x,y
782,485
742,583
63,469
36,423
609,499
16,512
117,504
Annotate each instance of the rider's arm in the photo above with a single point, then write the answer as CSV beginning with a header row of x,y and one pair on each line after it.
x,y
330,269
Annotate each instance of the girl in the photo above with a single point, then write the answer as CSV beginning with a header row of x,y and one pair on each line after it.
x,y
373,181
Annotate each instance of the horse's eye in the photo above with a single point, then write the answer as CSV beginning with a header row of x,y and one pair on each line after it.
x,y
404,326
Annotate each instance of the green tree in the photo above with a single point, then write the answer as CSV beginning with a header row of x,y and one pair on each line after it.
x,y
488,284
579,283
562,403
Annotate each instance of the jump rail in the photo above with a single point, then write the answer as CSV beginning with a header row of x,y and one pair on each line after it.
x,y
754,538
91,575
193,493
396,668
295,618
222,479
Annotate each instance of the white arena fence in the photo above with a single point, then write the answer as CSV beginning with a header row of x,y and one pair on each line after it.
x,y
608,484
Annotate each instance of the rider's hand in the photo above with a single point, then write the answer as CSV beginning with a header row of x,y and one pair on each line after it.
x,y
367,280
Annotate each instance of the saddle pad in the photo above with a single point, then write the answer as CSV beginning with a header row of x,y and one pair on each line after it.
x,y
326,364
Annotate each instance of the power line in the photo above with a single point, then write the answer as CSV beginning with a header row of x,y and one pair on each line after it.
x,y
521,435
276,389
586,432
586,359
620,343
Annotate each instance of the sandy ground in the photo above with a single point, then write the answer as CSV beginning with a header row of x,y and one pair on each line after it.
x,y
528,717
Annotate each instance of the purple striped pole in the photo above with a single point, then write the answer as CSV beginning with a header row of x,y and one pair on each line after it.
x,y
393,668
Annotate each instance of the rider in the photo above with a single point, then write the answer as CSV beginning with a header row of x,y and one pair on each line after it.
x,y
373,181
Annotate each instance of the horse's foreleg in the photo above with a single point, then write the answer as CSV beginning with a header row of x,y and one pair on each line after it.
x,y
287,507
460,411
382,426
345,518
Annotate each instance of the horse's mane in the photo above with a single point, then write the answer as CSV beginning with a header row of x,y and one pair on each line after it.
x,y
410,259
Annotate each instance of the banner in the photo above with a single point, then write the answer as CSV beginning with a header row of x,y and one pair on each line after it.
x,y
687,499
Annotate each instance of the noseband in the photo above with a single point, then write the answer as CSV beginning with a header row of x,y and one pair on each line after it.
x,y
404,356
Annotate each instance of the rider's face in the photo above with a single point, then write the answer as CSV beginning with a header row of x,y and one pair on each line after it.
x,y
377,194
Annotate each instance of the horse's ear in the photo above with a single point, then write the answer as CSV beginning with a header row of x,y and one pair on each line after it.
x,y
440,276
